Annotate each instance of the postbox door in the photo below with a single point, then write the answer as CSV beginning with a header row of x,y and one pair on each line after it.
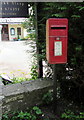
x,y
58,50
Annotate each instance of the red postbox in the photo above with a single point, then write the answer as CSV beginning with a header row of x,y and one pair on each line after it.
x,y
56,40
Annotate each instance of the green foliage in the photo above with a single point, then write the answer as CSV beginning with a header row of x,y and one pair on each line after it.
x,y
23,115
37,110
31,36
34,114
19,79
47,98
69,115
34,73
75,14
18,37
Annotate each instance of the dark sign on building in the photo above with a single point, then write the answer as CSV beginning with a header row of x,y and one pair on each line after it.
x,y
13,9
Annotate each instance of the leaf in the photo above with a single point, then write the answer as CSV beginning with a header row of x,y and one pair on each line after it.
x,y
81,8
62,8
57,15
75,16
37,110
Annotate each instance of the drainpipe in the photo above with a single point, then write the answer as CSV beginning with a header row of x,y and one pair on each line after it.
x,y
0,32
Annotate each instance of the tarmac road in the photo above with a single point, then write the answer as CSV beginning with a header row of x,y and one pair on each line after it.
x,y
14,58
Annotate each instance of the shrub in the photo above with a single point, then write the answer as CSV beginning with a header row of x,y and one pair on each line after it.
x,y
34,114
69,115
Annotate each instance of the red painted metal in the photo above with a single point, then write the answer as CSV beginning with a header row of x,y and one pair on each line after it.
x,y
56,40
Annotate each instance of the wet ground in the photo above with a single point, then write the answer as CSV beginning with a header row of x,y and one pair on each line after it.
x,y
16,58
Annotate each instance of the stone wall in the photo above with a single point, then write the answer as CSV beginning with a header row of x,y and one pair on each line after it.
x,y
23,95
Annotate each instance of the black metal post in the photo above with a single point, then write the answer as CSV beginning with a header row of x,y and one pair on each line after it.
x,y
40,65
55,72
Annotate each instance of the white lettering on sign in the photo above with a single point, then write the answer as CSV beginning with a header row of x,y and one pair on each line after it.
x,y
57,48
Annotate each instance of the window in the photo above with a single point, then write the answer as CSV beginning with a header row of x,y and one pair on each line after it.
x,y
18,31
12,31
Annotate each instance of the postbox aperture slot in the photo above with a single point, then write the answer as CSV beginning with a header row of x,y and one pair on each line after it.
x,y
58,28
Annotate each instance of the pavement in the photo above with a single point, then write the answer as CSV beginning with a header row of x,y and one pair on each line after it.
x,y
16,58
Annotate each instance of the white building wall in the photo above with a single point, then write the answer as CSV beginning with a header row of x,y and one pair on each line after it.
x,y
15,26
14,23
25,33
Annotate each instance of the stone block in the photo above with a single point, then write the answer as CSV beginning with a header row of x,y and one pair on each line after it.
x,y
22,96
